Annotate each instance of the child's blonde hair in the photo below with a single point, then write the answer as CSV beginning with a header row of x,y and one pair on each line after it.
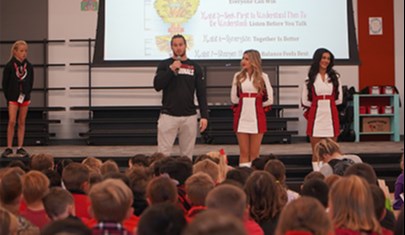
x,y
35,186
111,200
93,163
324,147
197,188
209,167
15,46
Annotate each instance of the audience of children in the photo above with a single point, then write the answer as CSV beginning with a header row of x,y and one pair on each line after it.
x,y
161,195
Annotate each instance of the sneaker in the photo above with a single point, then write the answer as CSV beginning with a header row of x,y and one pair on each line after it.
x,y
22,152
7,152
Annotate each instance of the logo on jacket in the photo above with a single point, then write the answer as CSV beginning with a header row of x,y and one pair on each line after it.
x,y
186,69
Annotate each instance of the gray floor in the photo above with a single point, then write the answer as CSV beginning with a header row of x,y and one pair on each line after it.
x,y
277,149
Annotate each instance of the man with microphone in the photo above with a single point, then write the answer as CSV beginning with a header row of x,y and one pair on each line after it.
x,y
180,78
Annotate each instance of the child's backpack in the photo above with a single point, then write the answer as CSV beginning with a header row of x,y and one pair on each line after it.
x,y
339,166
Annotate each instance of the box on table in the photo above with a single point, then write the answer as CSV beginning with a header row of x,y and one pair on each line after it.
x,y
376,124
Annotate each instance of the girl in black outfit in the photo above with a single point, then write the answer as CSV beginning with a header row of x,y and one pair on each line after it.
x,y
18,79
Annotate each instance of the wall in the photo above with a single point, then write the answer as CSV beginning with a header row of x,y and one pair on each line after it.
x,y
23,19
376,51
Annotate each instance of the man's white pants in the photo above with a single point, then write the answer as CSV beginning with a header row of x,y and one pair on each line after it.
x,y
171,126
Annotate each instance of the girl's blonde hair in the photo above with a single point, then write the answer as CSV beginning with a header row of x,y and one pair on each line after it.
x,y
256,62
325,147
15,46
352,205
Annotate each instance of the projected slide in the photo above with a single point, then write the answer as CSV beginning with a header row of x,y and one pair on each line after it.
x,y
223,29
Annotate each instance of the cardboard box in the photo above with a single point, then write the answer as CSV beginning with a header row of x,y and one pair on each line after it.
x,y
376,124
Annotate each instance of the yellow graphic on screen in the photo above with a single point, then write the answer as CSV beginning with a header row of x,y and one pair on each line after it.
x,y
176,13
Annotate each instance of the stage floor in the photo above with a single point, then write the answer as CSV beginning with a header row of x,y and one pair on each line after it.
x,y
276,149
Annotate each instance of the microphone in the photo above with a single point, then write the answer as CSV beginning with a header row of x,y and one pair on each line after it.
x,y
176,72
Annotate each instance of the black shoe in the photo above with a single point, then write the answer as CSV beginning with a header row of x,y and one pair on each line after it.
x,y
7,152
22,152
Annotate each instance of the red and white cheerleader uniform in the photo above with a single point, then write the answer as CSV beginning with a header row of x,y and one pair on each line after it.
x,y
249,113
323,116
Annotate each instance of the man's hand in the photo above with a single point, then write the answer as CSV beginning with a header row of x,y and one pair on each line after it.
x,y
203,124
175,66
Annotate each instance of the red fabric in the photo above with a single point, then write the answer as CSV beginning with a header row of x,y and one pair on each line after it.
x,y
37,218
23,206
82,205
312,113
252,228
298,233
129,224
182,199
193,212
23,104
260,112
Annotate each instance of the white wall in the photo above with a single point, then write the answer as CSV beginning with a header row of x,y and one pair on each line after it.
x,y
67,21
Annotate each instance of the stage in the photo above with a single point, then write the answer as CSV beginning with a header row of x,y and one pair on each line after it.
x,y
73,151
